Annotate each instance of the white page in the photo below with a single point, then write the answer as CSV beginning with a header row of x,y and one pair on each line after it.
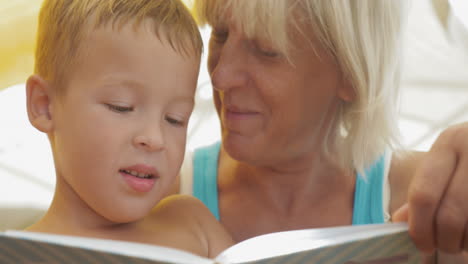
x,y
140,250
283,243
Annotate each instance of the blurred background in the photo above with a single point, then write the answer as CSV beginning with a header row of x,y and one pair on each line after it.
x,y
435,95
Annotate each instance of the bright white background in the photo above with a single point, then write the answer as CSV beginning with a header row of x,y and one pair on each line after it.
x,y
435,95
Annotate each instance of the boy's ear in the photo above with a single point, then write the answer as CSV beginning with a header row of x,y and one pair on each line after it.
x,y
38,100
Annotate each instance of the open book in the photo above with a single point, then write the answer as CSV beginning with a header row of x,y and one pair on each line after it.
x,y
366,244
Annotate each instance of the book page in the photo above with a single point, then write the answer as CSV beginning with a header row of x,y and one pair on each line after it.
x,y
355,244
158,254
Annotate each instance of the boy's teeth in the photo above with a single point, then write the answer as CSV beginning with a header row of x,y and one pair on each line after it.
x,y
136,174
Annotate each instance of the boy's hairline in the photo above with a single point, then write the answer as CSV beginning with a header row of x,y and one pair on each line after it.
x,y
117,24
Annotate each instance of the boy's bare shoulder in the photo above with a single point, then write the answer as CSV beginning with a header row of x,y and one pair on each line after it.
x,y
174,222
180,205
192,215
185,212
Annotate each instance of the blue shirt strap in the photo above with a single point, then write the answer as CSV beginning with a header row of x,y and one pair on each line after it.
x,y
205,172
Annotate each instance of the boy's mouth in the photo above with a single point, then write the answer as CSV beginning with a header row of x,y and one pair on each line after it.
x,y
140,177
138,174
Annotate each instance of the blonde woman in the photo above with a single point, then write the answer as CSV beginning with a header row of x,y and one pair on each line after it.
x,y
306,92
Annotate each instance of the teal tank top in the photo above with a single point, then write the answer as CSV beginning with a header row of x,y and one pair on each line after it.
x,y
368,196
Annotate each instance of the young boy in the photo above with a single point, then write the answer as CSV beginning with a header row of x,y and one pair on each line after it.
x,y
113,90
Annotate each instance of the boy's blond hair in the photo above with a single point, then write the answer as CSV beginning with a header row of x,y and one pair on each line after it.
x,y
64,24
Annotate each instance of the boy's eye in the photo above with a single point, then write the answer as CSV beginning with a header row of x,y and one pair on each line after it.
x,y
174,121
119,109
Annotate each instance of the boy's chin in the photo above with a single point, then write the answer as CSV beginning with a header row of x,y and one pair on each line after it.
x,y
123,216
128,219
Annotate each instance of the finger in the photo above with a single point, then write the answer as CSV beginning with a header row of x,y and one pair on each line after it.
x,y
465,239
426,192
401,214
429,259
453,211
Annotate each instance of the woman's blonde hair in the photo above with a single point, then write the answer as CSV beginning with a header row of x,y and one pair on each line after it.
x,y
63,24
364,37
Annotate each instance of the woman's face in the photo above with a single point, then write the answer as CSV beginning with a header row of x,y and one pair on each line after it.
x,y
273,111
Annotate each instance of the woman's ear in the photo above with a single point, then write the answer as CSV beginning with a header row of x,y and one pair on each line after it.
x,y
38,103
346,92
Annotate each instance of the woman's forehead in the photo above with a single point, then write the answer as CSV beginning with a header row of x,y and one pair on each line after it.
x,y
278,22
243,12
254,18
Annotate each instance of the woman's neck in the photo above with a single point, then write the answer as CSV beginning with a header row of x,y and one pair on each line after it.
x,y
259,200
288,183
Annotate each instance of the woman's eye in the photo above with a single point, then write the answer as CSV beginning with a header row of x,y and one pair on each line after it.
x,y
119,109
269,53
174,121
265,50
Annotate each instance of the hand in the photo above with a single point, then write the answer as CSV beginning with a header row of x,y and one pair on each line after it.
x,y
437,208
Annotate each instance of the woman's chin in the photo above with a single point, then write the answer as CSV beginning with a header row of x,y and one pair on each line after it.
x,y
241,148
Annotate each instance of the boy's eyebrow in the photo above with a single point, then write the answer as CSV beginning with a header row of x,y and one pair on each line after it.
x,y
185,99
113,81
131,84
122,82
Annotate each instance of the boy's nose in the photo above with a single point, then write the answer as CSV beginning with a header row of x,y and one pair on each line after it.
x,y
150,138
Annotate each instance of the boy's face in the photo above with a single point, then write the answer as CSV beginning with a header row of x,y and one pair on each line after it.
x,y
119,132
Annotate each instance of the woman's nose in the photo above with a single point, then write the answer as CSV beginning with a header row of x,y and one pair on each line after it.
x,y
227,64
150,137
